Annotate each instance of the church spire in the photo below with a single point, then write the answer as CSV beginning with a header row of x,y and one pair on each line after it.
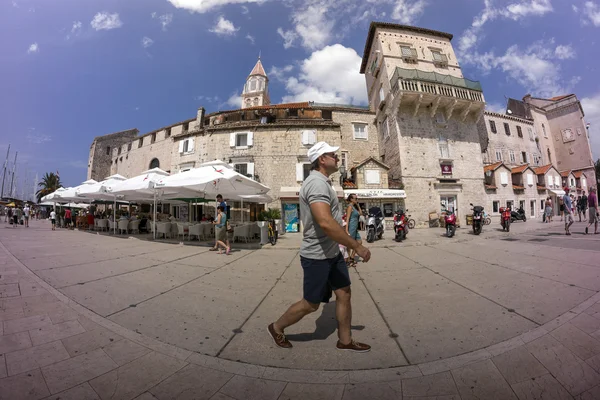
x,y
256,89
258,69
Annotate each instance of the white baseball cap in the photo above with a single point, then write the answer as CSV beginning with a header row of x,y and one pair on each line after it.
x,y
319,149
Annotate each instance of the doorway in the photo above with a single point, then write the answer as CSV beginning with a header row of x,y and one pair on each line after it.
x,y
449,203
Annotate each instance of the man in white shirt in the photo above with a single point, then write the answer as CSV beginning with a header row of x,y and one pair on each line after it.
x,y
53,219
26,212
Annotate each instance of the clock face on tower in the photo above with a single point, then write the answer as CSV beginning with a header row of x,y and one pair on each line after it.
x,y
567,135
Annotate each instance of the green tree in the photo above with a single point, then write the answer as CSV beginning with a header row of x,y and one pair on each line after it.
x,y
597,168
49,184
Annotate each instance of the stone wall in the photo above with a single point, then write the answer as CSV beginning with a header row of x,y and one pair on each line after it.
x,y
135,157
504,143
101,153
357,150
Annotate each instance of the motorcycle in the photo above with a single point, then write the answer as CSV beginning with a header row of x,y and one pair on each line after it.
x,y
450,221
400,225
518,215
374,224
477,219
505,218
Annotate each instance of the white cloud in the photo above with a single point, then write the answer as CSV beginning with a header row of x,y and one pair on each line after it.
x,y
75,29
165,19
250,38
235,100
525,8
209,99
312,25
591,107
591,13
288,37
14,4
408,11
147,42
329,75
153,15
245,10
564,52
575,8
33,48
279,73
202,6
37,138
496,107
224,27
106,21
77,164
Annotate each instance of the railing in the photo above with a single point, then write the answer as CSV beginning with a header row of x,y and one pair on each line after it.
x,y
411,80
431,88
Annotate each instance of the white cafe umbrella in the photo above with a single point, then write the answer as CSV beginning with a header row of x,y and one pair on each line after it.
x,y
99,191
52,196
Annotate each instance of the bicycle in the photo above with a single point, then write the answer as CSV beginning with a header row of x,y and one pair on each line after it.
x,y
411,222
272,235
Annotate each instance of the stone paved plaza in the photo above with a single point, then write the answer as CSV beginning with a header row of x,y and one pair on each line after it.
x,y
499,316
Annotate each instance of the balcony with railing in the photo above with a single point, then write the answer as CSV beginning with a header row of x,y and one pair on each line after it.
x,y
433,83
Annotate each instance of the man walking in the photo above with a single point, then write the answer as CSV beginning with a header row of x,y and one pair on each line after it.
x,y
593,210
221,203
584,205
26,212
323,264
568,211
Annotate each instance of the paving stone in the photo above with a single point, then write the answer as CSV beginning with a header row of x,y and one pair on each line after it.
x,y
14,342
147,396
26,324
11,313
81,392
29,289
3,372
55,332
580,343
74,371
595,308
233,367
9,290
221,396
135,378
124,351
45,308
88,341
191,383
27,386
431,385
592,394
573,373
374,391
453,397
594,362
519,365
586,323
544,387
35,357
482,380
88,324
302,391
448,364
307,376
245,388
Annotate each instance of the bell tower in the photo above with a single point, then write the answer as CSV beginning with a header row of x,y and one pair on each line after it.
x,y
256,89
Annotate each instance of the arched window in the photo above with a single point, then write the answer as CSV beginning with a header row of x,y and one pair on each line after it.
x,y
154,163
253,85
256,101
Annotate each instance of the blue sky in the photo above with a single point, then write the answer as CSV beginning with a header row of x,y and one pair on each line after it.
x,y
72,70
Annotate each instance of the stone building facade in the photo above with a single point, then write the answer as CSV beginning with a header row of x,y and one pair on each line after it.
x,y
101,152
427,115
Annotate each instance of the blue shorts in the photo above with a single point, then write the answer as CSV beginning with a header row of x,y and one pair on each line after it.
x,y
321,276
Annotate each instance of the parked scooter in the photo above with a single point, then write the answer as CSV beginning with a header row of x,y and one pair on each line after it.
x,y
505,218
450,221
374,224
477,219
401,225
518,215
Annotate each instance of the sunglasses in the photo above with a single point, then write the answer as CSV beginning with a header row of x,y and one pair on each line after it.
x,y
332,155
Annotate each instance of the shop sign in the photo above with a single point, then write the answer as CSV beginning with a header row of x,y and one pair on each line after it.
x,y
446,169
377,193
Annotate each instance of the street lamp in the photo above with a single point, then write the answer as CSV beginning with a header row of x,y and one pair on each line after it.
x,y
342,174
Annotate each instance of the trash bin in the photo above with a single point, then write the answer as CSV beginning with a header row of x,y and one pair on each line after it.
x,y
264,232
469,219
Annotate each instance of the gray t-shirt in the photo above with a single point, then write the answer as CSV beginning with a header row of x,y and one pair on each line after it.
x,y
316,245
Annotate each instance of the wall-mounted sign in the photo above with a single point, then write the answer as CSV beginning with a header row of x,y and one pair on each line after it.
x,y
446,169
377,193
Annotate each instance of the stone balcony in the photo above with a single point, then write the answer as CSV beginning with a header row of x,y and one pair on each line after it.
x,y
437,92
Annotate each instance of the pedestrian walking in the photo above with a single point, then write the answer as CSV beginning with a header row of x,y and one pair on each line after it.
x,y
561,207
593,211
26,212
223,204
362,220
353,216
53,219
9,213
322,263
548,209
221,231
584,205
68,218
568,211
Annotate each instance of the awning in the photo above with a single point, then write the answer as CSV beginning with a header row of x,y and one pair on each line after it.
x,y
376,193
558,192
293,192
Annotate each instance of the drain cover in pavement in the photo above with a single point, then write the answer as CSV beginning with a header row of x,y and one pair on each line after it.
x,y
538,240
510,239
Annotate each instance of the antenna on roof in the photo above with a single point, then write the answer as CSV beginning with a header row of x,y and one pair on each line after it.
x,y
259,54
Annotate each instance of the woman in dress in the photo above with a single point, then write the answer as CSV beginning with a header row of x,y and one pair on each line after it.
x,y
352,216
548,209
221,230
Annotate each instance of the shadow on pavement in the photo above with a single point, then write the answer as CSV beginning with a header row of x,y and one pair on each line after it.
x,y
326,325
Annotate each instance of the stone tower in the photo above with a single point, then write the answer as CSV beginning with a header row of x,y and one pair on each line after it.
x,y
256,89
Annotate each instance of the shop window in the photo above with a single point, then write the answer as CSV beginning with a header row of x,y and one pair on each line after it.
x,y
532,208
388,209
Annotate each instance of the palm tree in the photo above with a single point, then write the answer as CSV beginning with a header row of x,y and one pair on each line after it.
x,y
49,184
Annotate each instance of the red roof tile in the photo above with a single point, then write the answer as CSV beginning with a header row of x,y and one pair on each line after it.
x,y
492,167
578,174
542,170
565,174
519,169
258,69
